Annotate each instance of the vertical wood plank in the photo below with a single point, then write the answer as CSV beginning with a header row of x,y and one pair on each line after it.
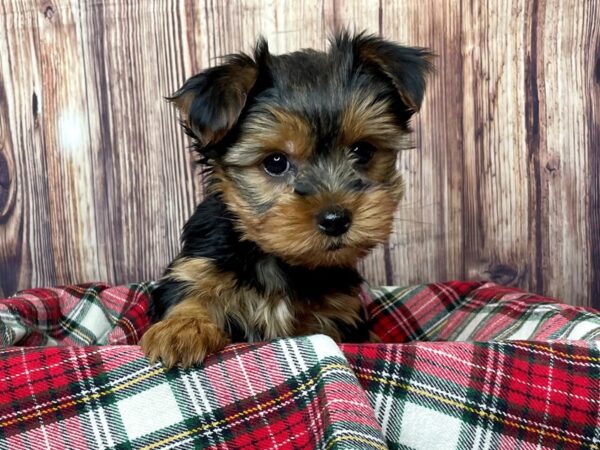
x,y
26,257
427,242
496,207
64,116
592,27
568,43
535,116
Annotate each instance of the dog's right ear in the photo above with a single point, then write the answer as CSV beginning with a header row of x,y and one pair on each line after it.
x,y
210,103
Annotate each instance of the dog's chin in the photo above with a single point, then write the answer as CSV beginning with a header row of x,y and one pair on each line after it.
x,y
333,254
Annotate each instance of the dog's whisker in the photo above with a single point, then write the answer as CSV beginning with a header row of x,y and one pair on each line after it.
x,y
420,222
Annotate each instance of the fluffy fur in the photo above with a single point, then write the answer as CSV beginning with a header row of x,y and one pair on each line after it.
x,y
271,254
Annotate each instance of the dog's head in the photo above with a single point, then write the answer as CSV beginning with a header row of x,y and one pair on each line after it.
x,y
303,146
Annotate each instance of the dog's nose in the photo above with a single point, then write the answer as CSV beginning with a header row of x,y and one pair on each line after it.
x,y
334,221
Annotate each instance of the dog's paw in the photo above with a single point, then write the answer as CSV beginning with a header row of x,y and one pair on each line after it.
x,y
182,341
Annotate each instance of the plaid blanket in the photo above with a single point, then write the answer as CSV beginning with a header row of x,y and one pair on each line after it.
x,y
463,365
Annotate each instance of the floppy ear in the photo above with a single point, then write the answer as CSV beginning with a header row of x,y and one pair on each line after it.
x,y
405,68
210,103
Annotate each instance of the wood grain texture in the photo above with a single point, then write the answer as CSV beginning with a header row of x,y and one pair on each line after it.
x,y
503,183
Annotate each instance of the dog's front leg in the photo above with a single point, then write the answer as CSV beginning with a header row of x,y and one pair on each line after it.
x,y
185,336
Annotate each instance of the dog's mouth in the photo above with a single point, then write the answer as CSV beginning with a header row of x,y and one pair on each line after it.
x,y
334,246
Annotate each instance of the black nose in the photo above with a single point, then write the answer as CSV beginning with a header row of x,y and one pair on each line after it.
x,y
334,221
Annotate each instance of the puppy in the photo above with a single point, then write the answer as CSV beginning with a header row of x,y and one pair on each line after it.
x,y
301,155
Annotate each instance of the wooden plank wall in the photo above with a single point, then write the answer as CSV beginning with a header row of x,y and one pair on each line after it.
x,y
95,181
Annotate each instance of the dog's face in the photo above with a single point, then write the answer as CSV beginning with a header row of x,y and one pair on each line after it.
x,y
303,146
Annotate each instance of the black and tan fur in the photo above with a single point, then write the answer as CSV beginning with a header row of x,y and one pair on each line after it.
x,y
256,262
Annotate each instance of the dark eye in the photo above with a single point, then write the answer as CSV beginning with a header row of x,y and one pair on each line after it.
x,y
362,152
276,164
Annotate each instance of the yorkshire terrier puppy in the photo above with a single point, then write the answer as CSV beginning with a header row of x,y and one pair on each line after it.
x,y
301,155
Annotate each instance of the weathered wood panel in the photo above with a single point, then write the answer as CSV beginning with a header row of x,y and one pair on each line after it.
x,y
504,182
428,243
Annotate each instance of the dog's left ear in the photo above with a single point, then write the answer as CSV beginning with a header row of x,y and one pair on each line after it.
x,y
210,103
406,68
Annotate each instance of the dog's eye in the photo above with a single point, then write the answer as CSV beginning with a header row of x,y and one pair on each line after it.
x,y
362,152
276,164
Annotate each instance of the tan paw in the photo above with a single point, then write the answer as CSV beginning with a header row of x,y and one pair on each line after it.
x,y
182,341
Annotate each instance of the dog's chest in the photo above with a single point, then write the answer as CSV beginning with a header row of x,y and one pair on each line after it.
x,y
255,316
288,302
264,310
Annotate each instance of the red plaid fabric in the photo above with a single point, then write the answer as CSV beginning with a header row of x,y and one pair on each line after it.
x,y
506,395
475,311
466,365
291,393
87,314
